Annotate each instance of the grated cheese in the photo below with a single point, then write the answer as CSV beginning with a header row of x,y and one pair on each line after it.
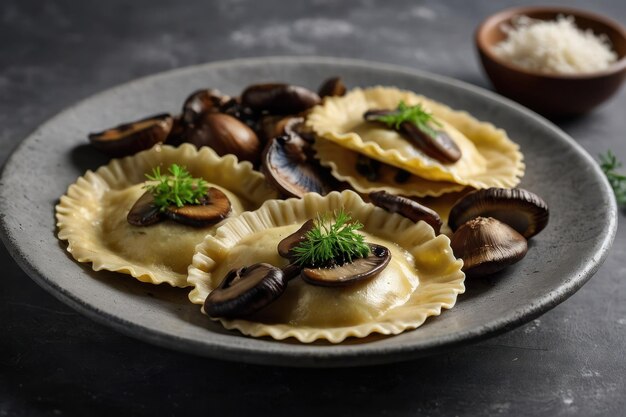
x,y
556,47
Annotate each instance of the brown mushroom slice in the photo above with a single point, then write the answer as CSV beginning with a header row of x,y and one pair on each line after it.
x,y
523,210
290,171
350,272
487,245
130,138
144,212
246,290
200,102
287,244
439,146
332,87
406,207
214,208
226,135
279,98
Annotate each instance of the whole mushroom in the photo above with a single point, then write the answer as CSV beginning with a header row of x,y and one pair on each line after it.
x,y
226,135
487,245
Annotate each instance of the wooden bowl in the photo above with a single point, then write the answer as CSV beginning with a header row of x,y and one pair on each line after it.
x,y
552,95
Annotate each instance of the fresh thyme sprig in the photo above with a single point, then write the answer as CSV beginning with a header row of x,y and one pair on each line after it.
x,y
330,241
610,164
413,114
178,188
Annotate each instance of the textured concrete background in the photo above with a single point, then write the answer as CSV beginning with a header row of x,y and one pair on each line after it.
x,y
571,361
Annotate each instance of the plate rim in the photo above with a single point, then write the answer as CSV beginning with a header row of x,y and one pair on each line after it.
x,y
311,355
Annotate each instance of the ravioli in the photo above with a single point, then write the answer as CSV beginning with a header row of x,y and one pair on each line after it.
x,y
489,158
92,215
422,277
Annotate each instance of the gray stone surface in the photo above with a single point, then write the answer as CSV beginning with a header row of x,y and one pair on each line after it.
x,y
53,361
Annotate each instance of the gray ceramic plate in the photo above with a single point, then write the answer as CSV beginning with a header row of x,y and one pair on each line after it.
x,y
560,260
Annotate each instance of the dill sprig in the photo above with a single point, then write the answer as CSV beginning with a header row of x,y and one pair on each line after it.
x,y
412,114
178,188
610,164
332,241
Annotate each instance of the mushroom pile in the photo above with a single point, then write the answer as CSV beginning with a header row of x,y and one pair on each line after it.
x,y
264,125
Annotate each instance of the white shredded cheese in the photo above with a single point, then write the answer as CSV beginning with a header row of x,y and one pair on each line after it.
x,y
556,46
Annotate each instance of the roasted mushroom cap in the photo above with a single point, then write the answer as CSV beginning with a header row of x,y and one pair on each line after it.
x,y
524,211
332,87
226,135
487,245
349,272
130,138
279,98
201,102
287,244
408,208
214,207
144,212
439,145
246,290
288,168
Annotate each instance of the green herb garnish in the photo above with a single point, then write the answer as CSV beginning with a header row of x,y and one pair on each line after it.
x,y
412,114
178,188
610,164
332,241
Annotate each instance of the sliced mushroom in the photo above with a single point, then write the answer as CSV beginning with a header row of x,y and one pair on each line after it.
x,y
287,244
214,208
144,212
524,211
406,207
487,245
349,272
439,145
332,87
279,98
130,138
226,135
288,168
246,290
201,102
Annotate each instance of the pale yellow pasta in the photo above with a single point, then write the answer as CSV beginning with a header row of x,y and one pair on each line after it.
x,y
489,158
422,277
92,215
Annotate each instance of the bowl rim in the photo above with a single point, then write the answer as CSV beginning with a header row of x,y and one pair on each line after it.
x,y
504,14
